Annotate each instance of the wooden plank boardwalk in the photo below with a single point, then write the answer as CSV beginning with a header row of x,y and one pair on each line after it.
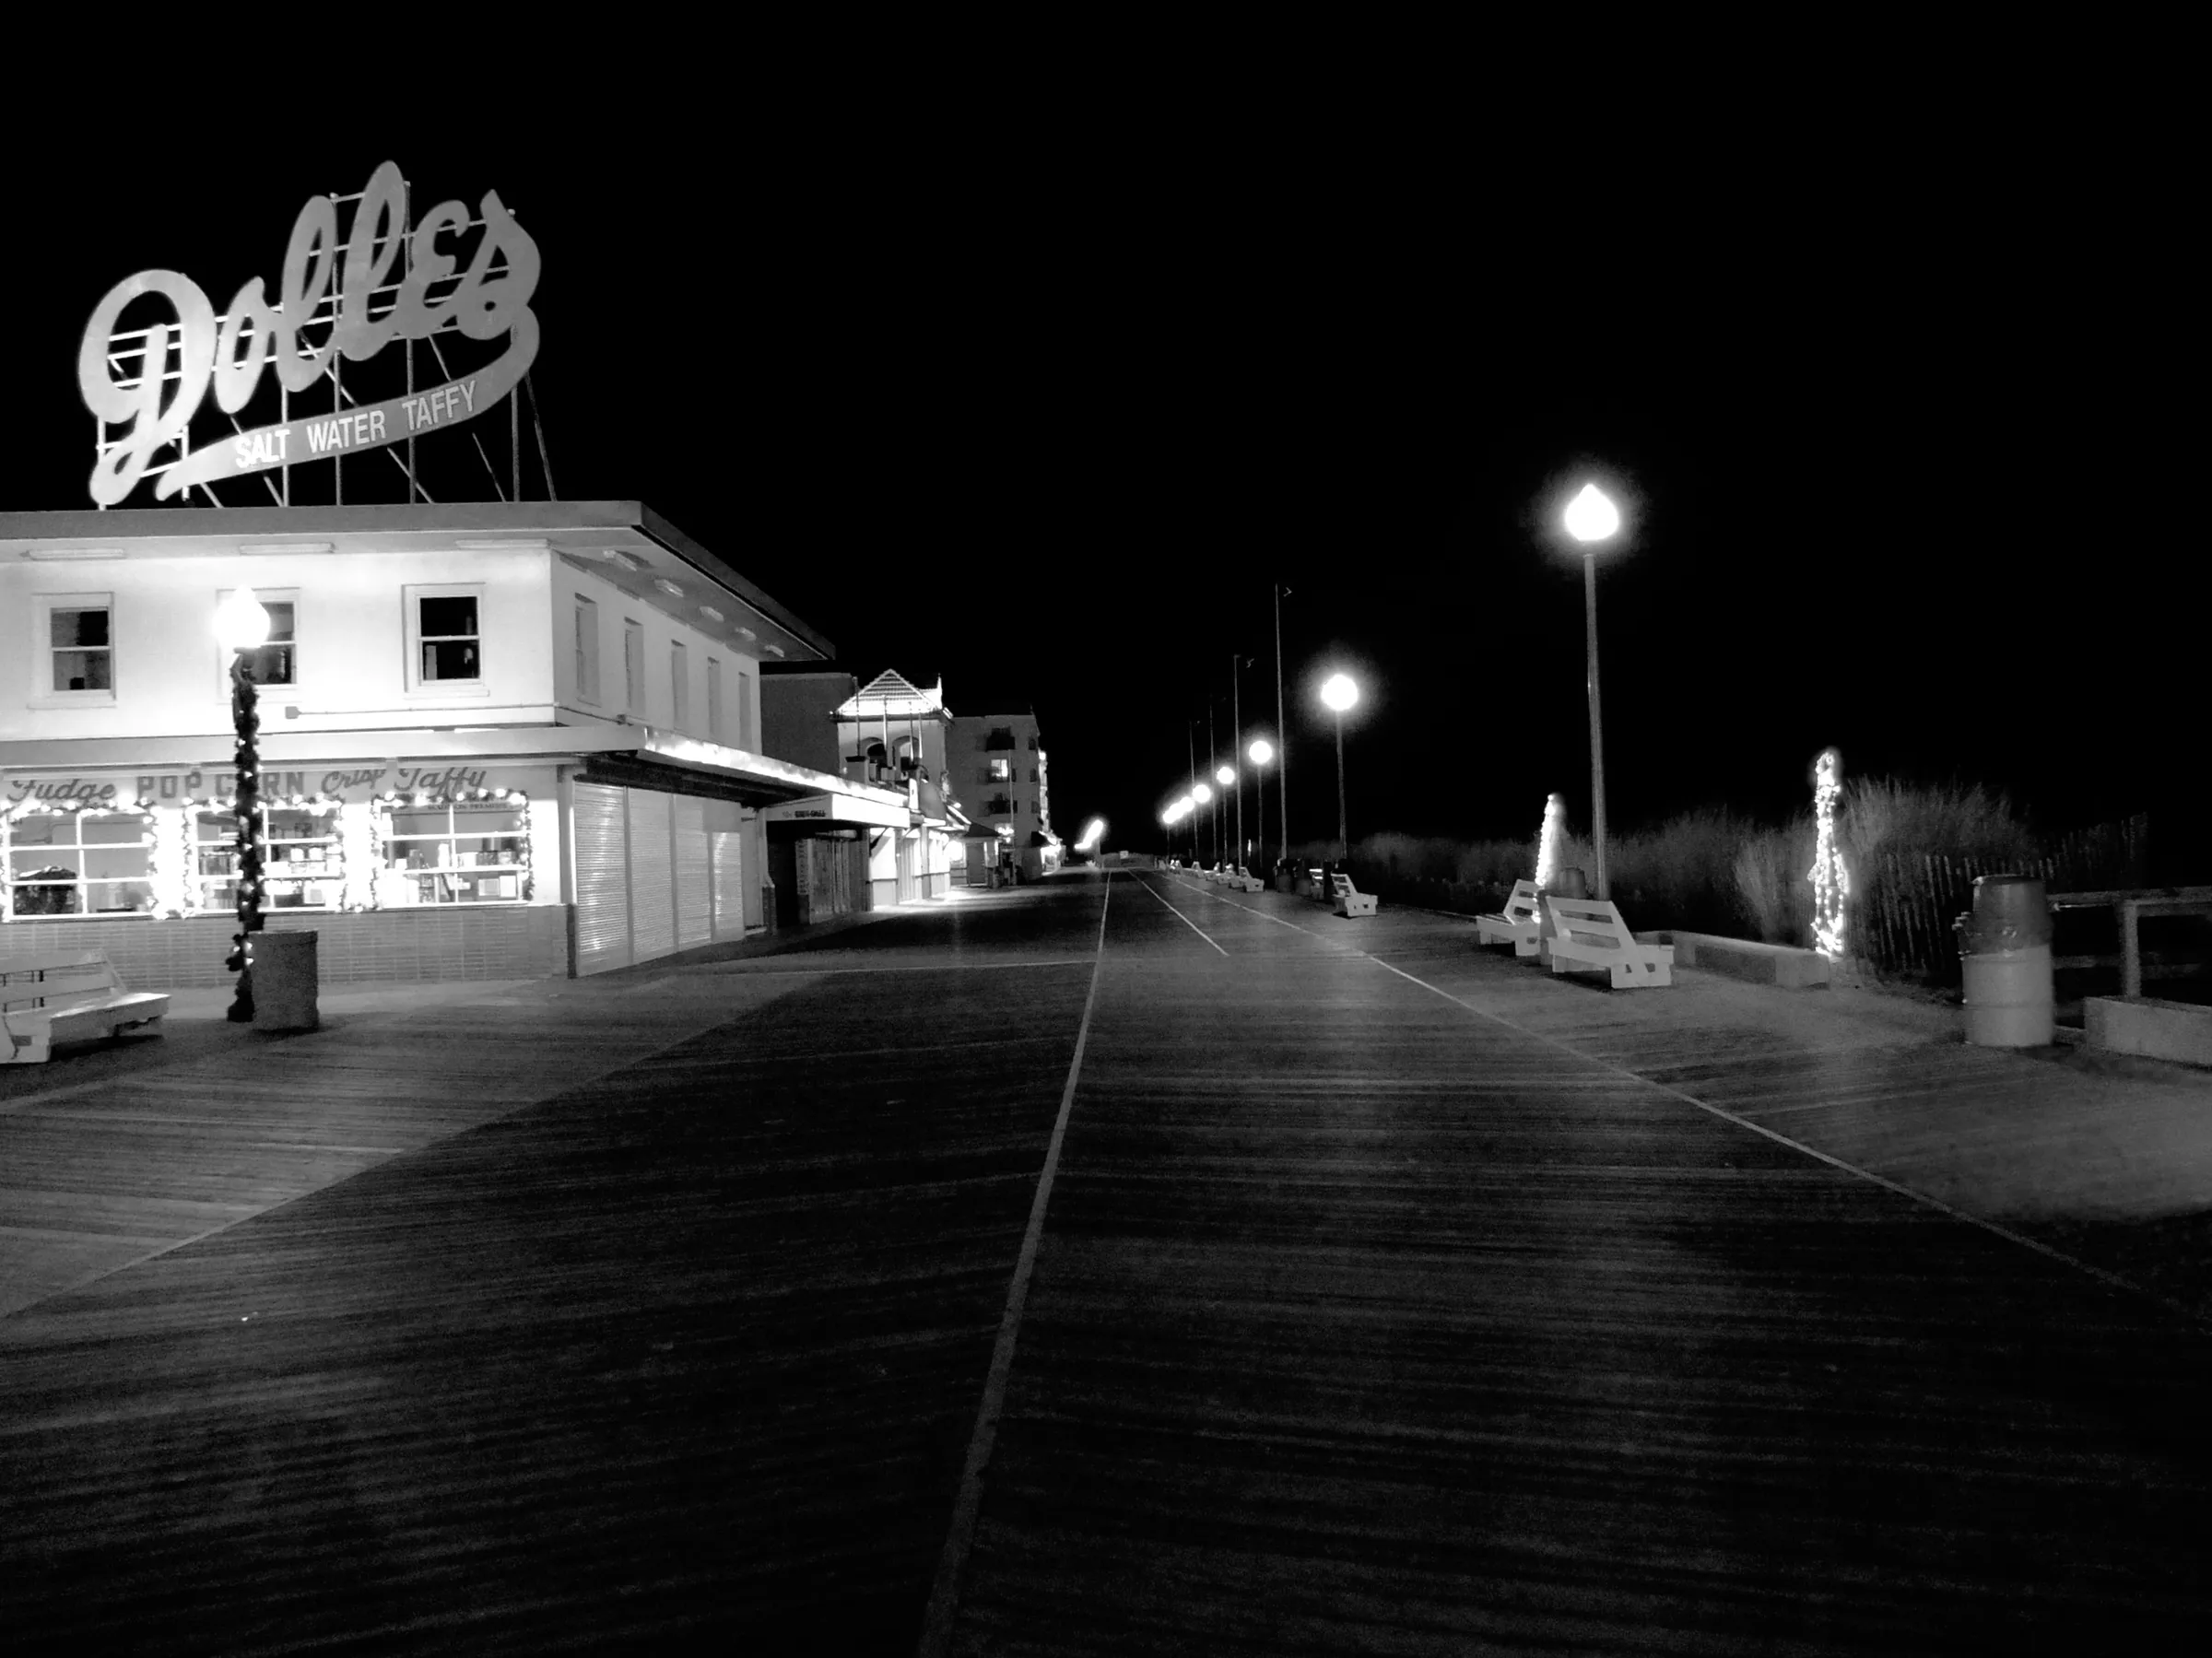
x,y
1363,1318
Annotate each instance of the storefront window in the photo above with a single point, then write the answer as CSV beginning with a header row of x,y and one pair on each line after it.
x,y
78,863
302,865
455,855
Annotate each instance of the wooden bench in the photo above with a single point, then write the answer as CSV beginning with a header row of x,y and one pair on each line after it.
x,y
1587,932
1521,923
68,997
1350,901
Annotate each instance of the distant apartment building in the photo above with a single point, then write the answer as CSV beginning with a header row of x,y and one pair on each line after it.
x,y
997,762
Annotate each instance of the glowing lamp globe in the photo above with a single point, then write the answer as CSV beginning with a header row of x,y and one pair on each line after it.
x,y
1592,516
1339,692
1262,751
241,622
1226,776
1202,794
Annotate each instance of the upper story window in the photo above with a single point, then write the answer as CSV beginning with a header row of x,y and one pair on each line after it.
x,y
587,649
84,656
679,685
714,721
276,660
747,738
633,667
1002,736
445,642
1001,771
72,658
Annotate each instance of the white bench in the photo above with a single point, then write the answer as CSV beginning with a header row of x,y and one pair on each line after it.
x,y
1521,923
1350,901
1587,932
66,997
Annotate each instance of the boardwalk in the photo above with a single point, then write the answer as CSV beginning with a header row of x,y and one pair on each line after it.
x,y
1385,1298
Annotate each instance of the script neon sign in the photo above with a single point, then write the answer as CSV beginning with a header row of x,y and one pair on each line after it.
x,y
227,355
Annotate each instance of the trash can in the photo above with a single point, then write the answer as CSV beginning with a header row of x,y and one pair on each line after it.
x,y
2005,952
285,981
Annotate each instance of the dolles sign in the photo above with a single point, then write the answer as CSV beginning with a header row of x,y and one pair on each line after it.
x,y
226,355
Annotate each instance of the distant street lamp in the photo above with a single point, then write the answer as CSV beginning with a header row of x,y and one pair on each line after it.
x,y
1339,692
242,626
1260,753
1593,520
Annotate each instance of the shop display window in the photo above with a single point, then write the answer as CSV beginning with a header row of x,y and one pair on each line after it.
x,y
78,863
301,866
455,855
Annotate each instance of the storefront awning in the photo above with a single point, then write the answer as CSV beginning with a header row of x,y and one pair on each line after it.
x,y
637,754
889,812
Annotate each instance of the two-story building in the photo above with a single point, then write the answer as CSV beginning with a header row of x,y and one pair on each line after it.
x,y
999,763
885,734
497,740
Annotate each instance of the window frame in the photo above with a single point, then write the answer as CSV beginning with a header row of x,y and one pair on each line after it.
x,y
42,607
748,715
680,684
267,595
715,723
148,834
412,594
586,642
390,872
633,667
273,877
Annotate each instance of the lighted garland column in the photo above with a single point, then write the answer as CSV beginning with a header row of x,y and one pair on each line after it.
x,y
246,714
1831,878
242,626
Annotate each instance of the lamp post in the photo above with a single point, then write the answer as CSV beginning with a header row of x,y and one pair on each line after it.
x,y
242,626
1260,753
1593,520
1226,777
1339,692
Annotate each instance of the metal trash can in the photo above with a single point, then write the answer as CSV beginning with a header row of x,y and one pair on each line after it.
x,y
285,981
2005,952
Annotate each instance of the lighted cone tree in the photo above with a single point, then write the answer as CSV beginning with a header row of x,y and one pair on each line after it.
x,y
1831,878
1551,841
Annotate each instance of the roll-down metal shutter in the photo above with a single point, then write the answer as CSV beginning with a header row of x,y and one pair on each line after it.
x,y
602,880
729,882
694,902
652,877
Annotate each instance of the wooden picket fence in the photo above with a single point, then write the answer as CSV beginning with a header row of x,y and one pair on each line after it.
x,y
1906,916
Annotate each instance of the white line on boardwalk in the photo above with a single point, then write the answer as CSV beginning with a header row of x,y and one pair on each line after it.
x,y
1937,1204
945,1592
1182,918
916,966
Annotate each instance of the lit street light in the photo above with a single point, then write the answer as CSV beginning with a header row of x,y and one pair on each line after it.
x,y
1592,519
242,626
1339,692
1260,753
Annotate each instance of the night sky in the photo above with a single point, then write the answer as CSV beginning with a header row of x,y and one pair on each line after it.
x,y
1909,428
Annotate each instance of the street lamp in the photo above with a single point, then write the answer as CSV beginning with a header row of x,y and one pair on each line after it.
x,y
1593,520
1226,777
1340,693
1260,753
242,626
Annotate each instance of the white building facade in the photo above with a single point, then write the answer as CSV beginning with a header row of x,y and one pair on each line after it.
x,y
497,740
